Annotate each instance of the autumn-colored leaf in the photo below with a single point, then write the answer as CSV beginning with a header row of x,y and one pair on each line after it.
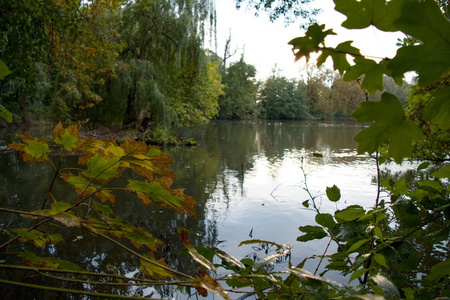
x,y
154,270
39,238
68,137
33,150
193,252
211,284
85,187
47,262
102,168
154,191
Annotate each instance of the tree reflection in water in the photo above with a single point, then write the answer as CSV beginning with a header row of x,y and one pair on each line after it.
x,y
231,174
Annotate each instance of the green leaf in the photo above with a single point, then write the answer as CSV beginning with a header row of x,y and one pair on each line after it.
x,y
85,187
140,236
154,270
430,61
326,220
5,114
339,56
311,42
423,166
364,13
378,232
438,109
349,214
443,172
48,262
390,125
3,69
373,73
312,233
439,270
37,149
102,168
333,193
154,152
154,191
357,245
59,212
39,238
390,291
357,273
424,20
256,241
379,258
67,140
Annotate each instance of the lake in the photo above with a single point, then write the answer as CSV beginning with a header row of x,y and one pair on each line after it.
x,y
248,179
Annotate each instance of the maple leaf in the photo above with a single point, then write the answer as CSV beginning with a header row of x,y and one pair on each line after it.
x,y
102,169
154,191
59,211
311,42
363,13
85,187
438,109
39,238
154,270
339,56
67,137
431,59
373,74
388,125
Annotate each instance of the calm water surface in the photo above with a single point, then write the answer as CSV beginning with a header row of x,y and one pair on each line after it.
x,y
247,179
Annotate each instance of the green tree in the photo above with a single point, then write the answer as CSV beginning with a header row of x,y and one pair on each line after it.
x,y
317,90
281,98
290,10
239,100
60,51
345,97
163,70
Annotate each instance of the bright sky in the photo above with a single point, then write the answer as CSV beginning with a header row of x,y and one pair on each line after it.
x,y
264,44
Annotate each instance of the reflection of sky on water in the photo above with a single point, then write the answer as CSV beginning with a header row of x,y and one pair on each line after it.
x,y
267,202
247,180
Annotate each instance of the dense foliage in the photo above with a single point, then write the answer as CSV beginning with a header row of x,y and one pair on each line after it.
x,y
281,98
239,98
109,62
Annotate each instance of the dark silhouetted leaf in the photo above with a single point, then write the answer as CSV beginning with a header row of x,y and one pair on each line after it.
x,y
389,125
312,233
326,220
349,214
438,110
333,193
311,42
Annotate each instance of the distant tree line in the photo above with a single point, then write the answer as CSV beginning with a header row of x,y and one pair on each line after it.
x,y
322,94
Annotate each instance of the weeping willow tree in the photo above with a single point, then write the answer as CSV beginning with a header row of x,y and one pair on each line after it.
x,y
163,75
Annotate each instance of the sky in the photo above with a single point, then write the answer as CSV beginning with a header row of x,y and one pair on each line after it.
x,y
265,44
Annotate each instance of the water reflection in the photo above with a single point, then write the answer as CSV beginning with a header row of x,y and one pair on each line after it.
x,y
246,178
